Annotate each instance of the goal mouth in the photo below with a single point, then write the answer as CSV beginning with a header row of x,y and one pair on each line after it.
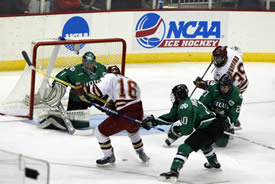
x,y
51,56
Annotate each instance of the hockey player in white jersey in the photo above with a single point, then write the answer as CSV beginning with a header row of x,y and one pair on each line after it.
x,y
227,60
125,99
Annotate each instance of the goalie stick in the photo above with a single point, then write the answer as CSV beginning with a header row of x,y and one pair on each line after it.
x,y
121,115
202,77
248,140
27,59
69,125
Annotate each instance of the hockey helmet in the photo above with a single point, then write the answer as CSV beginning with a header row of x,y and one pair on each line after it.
x,y
113,69
179,92
219,56
89,62
225,84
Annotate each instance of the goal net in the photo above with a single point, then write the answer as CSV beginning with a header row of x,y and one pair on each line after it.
x,y
52,56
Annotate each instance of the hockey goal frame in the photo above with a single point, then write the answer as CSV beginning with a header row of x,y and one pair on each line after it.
x,y
74,41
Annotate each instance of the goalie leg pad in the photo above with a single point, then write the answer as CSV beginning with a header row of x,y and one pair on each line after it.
x,y
52,122
53,119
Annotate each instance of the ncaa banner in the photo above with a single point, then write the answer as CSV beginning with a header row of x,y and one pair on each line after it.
x,y
179,29
75,26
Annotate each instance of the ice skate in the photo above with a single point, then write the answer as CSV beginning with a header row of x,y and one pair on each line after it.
x,y
237,125
110,160
168,142
143,157
214,164
171,176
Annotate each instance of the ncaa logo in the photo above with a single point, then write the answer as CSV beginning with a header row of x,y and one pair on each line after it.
x,y
75,27
150,30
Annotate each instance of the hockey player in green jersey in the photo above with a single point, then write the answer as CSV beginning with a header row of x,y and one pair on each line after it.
x,y
88,71
189,116
230,61
224,98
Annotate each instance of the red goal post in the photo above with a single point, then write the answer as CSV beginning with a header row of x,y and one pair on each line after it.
x,y
52,56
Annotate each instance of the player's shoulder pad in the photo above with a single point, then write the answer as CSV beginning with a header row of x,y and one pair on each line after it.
x,y
75,67
109,75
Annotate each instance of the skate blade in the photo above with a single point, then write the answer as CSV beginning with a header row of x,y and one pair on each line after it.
x,y
106,165
238,128
170,146
166,146
147,163
168,180
213,169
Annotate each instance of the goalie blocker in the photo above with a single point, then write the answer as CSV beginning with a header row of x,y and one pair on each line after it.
x,y
53,120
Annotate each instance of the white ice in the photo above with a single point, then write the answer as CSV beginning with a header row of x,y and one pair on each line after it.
x,y
72,158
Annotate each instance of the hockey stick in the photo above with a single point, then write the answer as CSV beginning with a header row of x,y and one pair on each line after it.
x,y
202,77
27,59
68,123
248,140
121,115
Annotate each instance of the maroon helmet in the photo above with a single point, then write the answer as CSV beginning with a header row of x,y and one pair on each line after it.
x,y
113,69
219,56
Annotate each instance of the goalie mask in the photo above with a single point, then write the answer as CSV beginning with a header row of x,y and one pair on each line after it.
x,y
89,63
225,84
179,92
219,56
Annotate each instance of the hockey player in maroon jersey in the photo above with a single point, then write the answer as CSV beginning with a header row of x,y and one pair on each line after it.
x,y
124,94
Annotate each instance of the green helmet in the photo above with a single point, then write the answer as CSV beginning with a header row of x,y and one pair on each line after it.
x,y
89,61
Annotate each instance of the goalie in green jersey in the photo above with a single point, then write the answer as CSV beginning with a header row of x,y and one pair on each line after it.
x,y
224,98
88,71
189,116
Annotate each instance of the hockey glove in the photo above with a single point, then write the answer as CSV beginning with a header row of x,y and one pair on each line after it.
x,y
227,125
110,105
174,131
200,83
149,122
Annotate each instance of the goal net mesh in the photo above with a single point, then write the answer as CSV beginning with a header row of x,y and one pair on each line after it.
x,y
52,56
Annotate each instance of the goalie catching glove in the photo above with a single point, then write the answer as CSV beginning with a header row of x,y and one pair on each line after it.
x,y
149,122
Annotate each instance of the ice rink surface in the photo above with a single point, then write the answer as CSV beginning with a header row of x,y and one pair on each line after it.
x,y
72,158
